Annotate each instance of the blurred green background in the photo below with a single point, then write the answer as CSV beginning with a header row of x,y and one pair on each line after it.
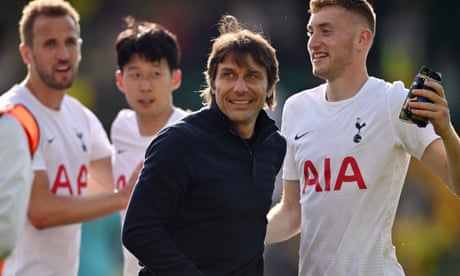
x,y
409,34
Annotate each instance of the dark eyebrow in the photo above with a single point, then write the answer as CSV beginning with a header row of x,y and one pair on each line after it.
x,y
321,25
131,67
255,71
72,38
49,41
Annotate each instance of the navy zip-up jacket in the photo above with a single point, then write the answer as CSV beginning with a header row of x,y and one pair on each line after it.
x,y
200,204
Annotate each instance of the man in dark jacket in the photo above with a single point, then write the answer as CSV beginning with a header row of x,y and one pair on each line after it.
x,y
200,204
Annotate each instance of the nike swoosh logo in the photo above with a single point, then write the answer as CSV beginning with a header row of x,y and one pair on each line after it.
x,y
298,136
50,140
120,151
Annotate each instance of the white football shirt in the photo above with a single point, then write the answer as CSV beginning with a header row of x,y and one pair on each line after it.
x,y
351,159
69,139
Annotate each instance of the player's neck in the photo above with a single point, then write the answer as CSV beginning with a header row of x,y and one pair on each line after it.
x,y
345,87
49,97
151,125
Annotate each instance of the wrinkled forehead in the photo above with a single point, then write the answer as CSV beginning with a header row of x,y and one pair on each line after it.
x,y
241,59
55,26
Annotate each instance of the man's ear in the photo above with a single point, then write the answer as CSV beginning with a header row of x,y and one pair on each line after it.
x,y
25,52
176,79
119,81
270,91
365,39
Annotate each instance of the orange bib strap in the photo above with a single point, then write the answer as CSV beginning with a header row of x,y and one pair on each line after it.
x,y
28,122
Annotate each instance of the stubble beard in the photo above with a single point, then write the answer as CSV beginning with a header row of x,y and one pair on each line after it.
x,y
51,80
333,70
